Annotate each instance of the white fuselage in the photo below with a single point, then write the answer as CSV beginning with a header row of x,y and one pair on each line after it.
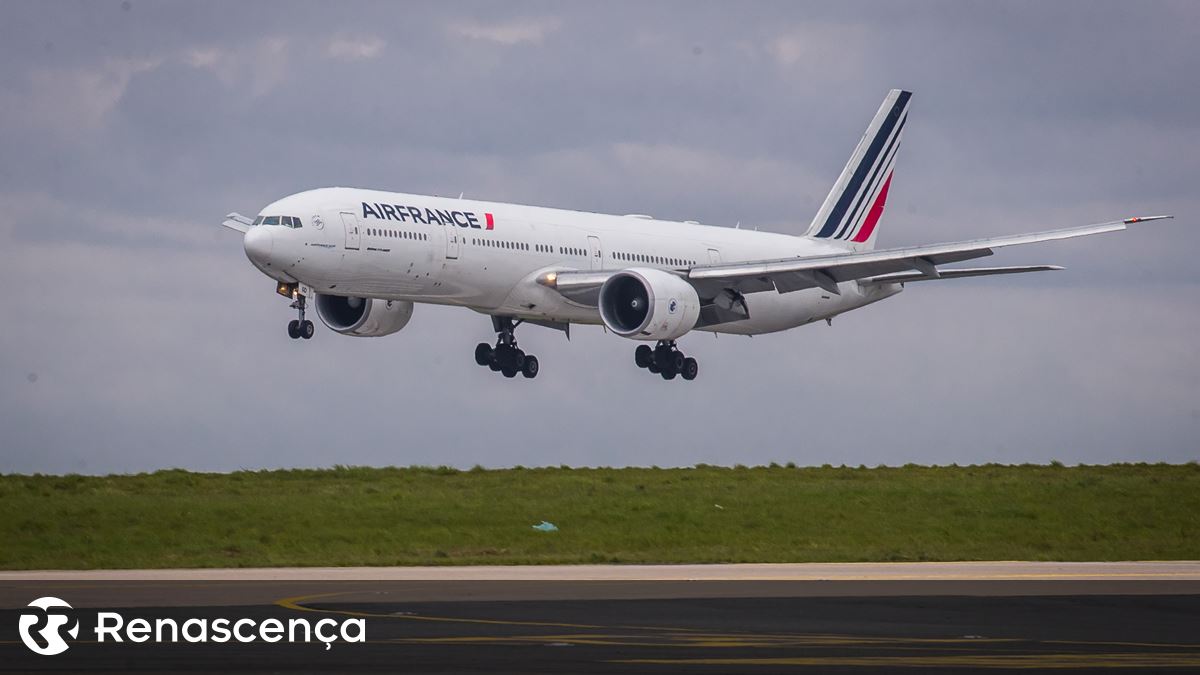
x,y
487,255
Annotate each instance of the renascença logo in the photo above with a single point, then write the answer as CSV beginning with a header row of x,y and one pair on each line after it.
x,y
55,620
49,622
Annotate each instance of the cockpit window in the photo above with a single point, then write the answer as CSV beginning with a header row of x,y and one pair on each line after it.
x,y
286,221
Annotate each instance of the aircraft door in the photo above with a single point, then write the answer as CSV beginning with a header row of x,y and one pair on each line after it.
x,y
452,237
595,253
353,236
714,256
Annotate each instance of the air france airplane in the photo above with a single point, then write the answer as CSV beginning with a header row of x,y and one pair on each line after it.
x,y
366,257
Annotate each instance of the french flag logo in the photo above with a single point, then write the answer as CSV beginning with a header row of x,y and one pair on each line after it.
x,y
491,222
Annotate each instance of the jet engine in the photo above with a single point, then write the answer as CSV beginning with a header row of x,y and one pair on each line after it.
x,y
643,303
363,317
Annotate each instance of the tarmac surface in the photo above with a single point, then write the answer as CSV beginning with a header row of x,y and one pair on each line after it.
x,y
948,617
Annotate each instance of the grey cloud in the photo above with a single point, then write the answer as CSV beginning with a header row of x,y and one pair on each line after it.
x,y
127,134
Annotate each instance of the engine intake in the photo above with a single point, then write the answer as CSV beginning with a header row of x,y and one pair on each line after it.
x,y
644,303
363,317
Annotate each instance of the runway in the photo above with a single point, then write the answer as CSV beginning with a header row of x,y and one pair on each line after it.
x,y
952,617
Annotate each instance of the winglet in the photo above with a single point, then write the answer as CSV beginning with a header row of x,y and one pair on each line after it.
x,y
1144,219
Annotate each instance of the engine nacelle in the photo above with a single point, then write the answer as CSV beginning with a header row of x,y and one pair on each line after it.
x,y
363,317
644,303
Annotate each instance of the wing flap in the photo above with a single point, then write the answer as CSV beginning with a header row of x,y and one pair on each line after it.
x,y
903,277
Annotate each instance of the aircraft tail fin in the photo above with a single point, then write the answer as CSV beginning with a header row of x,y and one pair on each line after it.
x,y
851,212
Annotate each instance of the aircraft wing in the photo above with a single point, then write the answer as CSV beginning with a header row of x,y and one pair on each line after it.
x,y
875,267
236,221
795,274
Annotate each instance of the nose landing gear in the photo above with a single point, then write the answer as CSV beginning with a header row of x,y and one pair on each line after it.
x,y
506,358
300,328
665,359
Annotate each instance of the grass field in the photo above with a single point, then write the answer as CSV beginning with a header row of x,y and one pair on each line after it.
x,y
361,516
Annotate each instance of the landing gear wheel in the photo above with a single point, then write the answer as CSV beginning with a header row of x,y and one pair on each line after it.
x,y
643,355
530,368
677,360
662,358
300,327
484,354
666,360
690,369
506,358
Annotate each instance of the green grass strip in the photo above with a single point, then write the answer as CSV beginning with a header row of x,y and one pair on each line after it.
x,y
442,516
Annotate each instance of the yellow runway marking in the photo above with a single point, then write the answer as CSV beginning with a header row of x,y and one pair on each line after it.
x,y
1099,576
293,603
1007,661
969,653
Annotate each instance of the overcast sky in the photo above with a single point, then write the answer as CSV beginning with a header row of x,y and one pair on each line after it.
x,y
135,335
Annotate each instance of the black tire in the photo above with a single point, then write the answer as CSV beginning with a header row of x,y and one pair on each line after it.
x,y
509,372
676,361
499,358
690,369
483,353
669,374
643,356
653,367
294,328
530,368
662,358
518,360
307,329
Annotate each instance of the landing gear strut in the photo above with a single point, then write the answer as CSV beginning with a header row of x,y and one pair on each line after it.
x,y
300,328
506,358
665,359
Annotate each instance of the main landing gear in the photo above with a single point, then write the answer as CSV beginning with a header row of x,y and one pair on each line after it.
x,y
506,358
300,328
666,360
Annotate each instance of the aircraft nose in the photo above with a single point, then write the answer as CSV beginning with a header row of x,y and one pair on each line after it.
x,y
258,242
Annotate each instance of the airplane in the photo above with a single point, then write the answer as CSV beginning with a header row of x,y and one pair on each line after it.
x,y
366,257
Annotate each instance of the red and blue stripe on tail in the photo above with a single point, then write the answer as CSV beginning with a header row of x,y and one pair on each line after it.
x,y
852,210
